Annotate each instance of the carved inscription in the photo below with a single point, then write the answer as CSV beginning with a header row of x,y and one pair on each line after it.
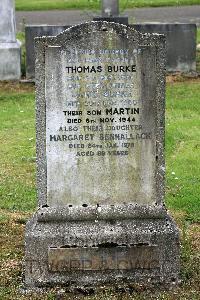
x,y
100,131
109,121
115,258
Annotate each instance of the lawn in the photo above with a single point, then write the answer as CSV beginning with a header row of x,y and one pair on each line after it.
x,y
95,4
18,193
17,133
182,148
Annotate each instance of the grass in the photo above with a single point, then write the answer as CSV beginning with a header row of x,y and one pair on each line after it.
x,y
198,36
198,52
18,195
11,269
17,134
182,148
21,38
95,4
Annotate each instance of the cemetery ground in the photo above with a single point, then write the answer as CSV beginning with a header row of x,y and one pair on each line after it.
x,y
18,194
95,4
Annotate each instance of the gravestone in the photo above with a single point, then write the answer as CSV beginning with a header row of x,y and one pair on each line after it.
x,y
110,12
180,44
31,32
10,66
110,8
100,90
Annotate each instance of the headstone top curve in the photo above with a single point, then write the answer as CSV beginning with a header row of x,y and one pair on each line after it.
x,y
99,26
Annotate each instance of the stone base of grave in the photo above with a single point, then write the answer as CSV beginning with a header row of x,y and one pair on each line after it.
x,y
90,253
10,57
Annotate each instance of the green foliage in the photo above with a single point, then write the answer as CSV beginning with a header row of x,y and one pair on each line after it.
x,y
198,51
182,148
95,4
17,160
21,38
17,192
57,4
198,36
17,147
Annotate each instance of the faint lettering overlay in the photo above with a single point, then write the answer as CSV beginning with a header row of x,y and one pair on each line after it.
x,y
119,258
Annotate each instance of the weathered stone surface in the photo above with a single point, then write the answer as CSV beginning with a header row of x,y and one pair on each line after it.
x,y
7,22
120,134
122,19
105,212
65,259
100,159
10,66
160,234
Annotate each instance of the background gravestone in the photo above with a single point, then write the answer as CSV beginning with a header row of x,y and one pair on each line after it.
x,y
31,32
178,58
180,44
110,8
100,159
10,66
110,12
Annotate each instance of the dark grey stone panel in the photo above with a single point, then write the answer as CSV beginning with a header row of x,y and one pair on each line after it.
x,y
180,41
31,32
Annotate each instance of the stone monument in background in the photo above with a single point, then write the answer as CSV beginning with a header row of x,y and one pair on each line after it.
x,y
100,120
10,62
179,58
110,8
110,12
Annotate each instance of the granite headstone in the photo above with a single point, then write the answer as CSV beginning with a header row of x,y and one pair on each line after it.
x,y
100,90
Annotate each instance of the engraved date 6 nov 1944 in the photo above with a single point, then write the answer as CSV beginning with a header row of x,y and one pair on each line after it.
x,y
101,120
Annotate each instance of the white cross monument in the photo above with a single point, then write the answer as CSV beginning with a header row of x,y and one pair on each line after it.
x,y
10,67
110,12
